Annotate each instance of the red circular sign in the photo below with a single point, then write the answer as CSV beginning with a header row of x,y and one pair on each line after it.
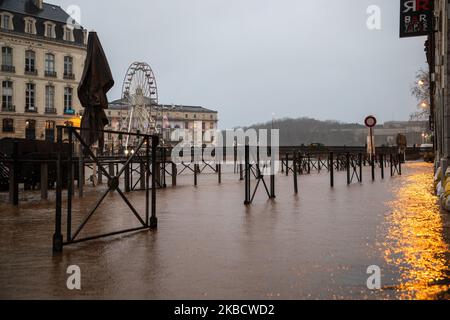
x,y
370,121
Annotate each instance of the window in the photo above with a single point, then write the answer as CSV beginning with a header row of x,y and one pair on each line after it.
x,y
50,131
68,34
30,61
30,98
30,25
7,56
6,21
49,30
30,129
211,125
8,125
50,99
68,97
7,96
50,65
68,67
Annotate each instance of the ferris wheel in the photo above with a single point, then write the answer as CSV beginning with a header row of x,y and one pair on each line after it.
x,y
140,99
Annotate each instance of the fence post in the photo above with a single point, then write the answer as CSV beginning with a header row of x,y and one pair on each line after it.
x,y
247,175
382,165
294,163
174,174
392,164
331,169
80,171
373,167
360,160
153,219
127,178
400,165
348,169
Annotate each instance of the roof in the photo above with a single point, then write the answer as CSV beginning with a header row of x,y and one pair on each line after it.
x,y
120,104
27,7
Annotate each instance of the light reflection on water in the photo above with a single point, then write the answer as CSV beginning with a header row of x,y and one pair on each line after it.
x,y
415,242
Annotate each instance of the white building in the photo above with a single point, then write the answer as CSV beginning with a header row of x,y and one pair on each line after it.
x,y
42,60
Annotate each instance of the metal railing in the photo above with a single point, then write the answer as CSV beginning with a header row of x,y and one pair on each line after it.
x,y
147,146
8,68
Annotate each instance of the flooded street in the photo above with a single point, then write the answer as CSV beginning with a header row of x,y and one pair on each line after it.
x,y
316,245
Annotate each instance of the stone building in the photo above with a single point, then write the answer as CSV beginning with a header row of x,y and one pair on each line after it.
x,y
437,48
42,60
169,118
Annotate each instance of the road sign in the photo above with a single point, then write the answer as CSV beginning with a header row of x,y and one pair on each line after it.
x,y
370,121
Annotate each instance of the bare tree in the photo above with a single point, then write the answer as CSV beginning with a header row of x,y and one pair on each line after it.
x,y
421,91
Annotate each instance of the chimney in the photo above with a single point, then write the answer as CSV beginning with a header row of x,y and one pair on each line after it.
x,y
39,4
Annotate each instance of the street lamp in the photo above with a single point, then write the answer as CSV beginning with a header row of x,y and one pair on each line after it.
x,y
421,83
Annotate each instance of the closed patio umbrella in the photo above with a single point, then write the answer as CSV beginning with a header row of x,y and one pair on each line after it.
x,y
96,81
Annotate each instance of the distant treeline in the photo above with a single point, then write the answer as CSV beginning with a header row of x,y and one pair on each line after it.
x,y
306,131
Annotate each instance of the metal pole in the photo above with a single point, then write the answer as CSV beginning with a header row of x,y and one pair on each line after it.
x,y
57,236
373,167
147,180
247,175
70,185
360,157
348,169
382,165
295,173
153,219
331,170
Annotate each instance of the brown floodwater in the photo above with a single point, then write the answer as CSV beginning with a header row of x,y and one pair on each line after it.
x,y
314,245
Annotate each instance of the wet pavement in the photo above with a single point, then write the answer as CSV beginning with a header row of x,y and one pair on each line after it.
x,y
316,245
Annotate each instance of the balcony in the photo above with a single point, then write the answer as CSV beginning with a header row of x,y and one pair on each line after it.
x,y
69,111
8,68
50,111
69,76
31,109
31,72
9,108
51,74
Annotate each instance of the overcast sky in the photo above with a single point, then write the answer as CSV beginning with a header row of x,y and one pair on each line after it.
x,y
249,59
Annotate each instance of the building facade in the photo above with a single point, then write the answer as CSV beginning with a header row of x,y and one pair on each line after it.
x,y
170,118
437,48
42,60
